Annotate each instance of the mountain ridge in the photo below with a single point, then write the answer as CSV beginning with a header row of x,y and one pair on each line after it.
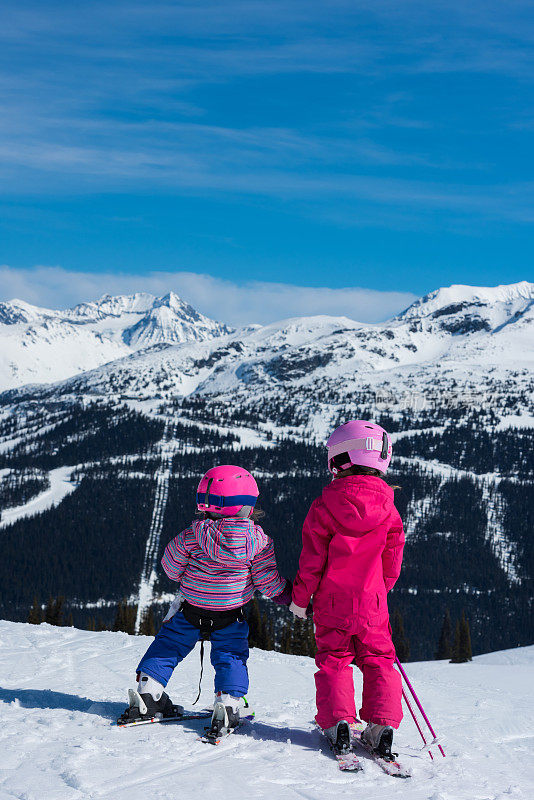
x,y
41,345
172,350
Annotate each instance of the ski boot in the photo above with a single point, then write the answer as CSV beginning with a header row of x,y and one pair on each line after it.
x,y
227,714
380,739
339,737
149,703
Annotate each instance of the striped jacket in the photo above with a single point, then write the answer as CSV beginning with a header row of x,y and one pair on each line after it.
x,y
220,563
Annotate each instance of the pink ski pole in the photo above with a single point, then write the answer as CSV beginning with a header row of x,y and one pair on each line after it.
x,y
410,709
418,703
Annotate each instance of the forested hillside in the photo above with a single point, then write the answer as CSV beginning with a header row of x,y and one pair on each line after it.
x,y
465,496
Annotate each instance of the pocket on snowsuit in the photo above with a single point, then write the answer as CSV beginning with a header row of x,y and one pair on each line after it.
x,y
346,612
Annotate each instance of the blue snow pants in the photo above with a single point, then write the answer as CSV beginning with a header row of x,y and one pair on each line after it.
x,y
177,637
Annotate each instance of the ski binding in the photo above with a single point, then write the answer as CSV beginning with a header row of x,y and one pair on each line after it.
x,y
390,765
179,715
346,758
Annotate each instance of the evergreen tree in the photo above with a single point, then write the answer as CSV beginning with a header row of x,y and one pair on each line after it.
x,y
444,650
101,625
303,638
147,626
35,616
130,616
125,617
256,636
54,611
299,644
461,651
465,639
287,637
91,624
268,628
119,621
312,646
455,658
70,621
400,640
261,629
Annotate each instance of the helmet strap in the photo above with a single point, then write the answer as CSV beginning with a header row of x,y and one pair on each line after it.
x,y
246,512
207,495
385,443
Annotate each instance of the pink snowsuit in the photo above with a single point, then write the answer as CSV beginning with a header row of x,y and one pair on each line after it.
x,y
352,543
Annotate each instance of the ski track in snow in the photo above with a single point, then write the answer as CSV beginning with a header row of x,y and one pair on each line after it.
x,y
62,688
505,550
418,510
149,574
60,487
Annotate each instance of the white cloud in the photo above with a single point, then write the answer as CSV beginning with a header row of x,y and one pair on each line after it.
x,y
134,110
256,301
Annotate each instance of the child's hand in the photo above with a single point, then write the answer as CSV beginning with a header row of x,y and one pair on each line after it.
x,y
284,598
298,611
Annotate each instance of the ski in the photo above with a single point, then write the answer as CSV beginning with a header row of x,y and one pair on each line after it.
x,y
178,718
137,712
347,760
393,768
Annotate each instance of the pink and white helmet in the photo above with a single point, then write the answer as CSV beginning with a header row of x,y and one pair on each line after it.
x,y
365,444
228,491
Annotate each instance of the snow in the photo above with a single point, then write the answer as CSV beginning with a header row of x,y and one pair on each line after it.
x,y
422,347
42,345
505,294
60,487
439,330
62,689
515,421
149,571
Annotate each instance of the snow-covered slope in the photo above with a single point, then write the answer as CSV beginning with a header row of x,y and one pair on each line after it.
x,y
460,334
178,351
62,688
60,487
44,345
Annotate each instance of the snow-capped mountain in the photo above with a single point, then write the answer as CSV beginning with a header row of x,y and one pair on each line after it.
x,y
457,334
114,338
44,345
468,309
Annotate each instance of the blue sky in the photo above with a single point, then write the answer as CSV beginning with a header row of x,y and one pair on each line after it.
x,y
384,145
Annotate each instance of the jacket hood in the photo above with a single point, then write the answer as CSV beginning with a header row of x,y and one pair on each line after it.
x,y
229,541
358,503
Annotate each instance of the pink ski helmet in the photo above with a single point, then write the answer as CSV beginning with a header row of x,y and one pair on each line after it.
x,y
364,444
227,490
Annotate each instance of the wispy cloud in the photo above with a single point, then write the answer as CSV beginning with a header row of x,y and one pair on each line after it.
x,y
269,162
211,98
235,304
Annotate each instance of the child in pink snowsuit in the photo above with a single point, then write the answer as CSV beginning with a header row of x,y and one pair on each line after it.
x,y
352,543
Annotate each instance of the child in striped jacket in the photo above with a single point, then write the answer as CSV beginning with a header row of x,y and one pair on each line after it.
x,y
219,561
